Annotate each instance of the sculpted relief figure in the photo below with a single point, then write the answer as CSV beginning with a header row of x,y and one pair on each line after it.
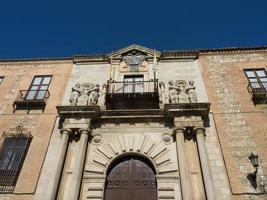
x,y
173,93
102,95
163,96
85,94
75,93
180,92
93,95
191,91
182,96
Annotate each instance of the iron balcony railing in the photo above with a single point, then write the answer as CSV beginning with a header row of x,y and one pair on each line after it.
x,y
31,98
258,91
33,95
132,87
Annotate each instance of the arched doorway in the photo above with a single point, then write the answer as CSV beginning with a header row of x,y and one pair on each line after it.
x,y
131,178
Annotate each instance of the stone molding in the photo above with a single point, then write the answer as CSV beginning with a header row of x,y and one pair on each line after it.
x,y
104,154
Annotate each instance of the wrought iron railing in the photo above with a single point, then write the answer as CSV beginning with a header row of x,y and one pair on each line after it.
x,y
29,99
133,87
33,95
258,90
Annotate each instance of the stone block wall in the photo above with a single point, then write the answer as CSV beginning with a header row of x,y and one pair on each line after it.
x,y
240,124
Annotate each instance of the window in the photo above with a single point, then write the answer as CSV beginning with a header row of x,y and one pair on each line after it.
x,y
13,150
1,79
38,88
133,84
257,78
257,84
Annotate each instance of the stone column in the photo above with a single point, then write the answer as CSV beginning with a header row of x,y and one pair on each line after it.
x,y
184,174
74,192
61,159
203,156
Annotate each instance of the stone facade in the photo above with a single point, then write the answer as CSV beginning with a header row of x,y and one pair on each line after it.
x,y
197,134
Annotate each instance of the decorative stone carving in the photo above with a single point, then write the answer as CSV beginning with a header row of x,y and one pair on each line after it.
x,y
163,97
75,93
85,94
102,95
167,138
191,91
18,130
173,93
133,60
181,92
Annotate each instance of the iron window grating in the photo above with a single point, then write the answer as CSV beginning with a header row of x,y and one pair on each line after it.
x,y
13,150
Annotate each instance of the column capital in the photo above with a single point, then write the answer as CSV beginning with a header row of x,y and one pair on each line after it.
x,y
65,131
200,130
85,131
178,130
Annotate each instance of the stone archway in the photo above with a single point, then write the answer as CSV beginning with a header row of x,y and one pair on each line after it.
x,y
103,153
131,178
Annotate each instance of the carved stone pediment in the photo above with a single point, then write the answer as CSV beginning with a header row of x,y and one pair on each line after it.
x,y
140,49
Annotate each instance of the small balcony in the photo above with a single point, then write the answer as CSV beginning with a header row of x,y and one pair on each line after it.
x,y
31,100
258,91
132,95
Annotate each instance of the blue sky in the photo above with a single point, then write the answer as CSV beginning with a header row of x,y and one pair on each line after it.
x,y
57,28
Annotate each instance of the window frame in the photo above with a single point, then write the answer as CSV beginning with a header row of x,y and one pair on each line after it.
x,y
133,86
37,91
11,164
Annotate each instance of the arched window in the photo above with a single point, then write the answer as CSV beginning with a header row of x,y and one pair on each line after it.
x,y
131,178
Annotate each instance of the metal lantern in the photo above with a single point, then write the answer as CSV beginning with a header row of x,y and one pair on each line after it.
x,y
254,158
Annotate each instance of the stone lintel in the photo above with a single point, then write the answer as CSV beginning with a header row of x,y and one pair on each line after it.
x,y
187,109
77,116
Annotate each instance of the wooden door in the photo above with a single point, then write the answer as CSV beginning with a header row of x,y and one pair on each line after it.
x,y
131,178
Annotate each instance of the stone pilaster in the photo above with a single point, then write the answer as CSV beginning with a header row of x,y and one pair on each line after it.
x,y
184,174
74,192
51,195
205,168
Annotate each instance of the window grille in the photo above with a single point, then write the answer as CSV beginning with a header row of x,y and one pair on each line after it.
x,y
257,84
13,149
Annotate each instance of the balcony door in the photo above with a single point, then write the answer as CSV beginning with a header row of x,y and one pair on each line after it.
x,y
38,87
131,178
134,84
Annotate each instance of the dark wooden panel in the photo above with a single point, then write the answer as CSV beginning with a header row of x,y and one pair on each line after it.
x,y
131,178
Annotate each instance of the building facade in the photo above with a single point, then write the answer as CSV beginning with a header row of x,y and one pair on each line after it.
x,y
135,124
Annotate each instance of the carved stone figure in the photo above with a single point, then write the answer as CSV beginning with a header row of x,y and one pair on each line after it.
x,y
191,91
93,95
85,94
162,93
102,95
173,93
182,96
181,92
75,94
